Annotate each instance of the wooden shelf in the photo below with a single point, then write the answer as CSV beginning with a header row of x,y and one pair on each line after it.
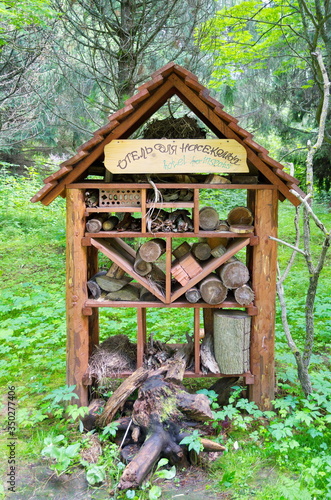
x,y
124,256
249,378
200,234
227,304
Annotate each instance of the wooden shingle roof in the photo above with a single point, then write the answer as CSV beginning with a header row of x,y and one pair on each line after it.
x,y
169,80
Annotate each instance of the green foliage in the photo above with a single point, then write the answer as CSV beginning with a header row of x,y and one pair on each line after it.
x,y
249,33
65,456
193,442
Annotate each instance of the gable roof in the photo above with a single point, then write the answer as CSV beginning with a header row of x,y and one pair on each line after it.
x,y
169,80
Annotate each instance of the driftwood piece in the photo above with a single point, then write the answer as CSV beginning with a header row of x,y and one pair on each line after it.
x,y
207,356
128,292
151,250
180,361
208,218
208,444
231,341
193,295
223,387
89,420
234,274
109,284
244,295
212,290
121,394
94,289
201,250
240,215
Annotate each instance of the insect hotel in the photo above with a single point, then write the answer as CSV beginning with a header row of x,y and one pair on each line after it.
x,y
139,202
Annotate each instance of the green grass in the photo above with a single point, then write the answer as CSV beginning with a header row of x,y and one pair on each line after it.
x,y
32,330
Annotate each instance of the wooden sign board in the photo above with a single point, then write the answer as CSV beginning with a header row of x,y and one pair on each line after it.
x,y
175,156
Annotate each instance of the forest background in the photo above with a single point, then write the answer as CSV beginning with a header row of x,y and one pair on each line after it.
x,y
66,66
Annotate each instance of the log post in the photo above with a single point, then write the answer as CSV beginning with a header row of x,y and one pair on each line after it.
x,y
263,264
76,295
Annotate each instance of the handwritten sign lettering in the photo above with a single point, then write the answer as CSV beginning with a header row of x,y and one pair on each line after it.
x,y
175,155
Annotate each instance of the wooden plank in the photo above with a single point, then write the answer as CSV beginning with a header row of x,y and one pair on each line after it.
x,y
137,98
94,141
193,84
285,176
166,70
152,84
43,191
168,268
58,174
211,265
263,273
141,114
76,296
213,120
175,156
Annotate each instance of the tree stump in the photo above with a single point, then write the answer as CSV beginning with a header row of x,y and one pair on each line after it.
x,y
240,215
231,341
141,266
201,251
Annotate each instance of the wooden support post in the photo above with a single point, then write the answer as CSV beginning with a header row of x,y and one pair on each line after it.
x,y
168,270
76,295
197,340
141,335
143,211
93,319
263,266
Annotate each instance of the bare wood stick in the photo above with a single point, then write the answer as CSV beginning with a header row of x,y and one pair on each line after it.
x,y
287,244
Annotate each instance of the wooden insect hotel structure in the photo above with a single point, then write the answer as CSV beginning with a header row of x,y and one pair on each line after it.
x,y
120,191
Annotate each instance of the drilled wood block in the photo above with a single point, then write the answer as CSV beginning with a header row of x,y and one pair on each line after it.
x,y
113,198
